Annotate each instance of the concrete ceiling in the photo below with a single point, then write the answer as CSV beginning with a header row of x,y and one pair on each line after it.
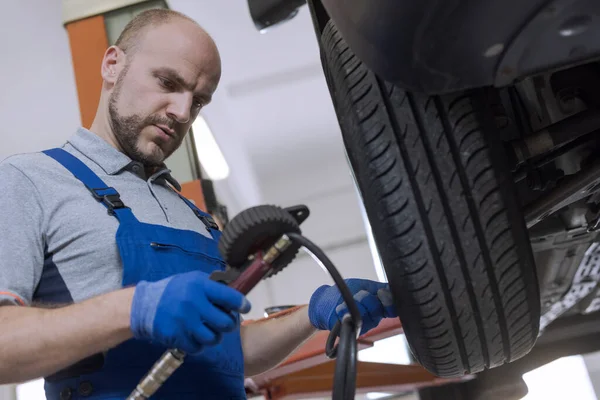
x,y
272,114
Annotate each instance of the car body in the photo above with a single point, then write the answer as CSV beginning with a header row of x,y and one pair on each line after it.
x,y
462,44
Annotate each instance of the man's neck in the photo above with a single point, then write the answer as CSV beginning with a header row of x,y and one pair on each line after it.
x,y
102,128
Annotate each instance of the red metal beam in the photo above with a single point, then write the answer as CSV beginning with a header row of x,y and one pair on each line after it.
x,y
317,381
312,353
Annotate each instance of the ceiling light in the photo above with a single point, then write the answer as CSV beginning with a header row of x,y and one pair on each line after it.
x,y
210,155
378,395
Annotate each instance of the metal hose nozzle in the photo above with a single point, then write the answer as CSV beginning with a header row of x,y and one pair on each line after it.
x,y
173,358
158,374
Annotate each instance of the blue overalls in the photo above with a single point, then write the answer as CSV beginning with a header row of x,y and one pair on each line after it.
x,y
152,252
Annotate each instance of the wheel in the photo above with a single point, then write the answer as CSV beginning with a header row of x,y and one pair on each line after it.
x,y
444,216
258,228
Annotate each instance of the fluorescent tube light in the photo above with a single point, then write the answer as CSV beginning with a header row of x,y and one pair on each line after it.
x,y
210,155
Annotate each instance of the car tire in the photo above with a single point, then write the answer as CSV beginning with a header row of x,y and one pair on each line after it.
x,y
444,215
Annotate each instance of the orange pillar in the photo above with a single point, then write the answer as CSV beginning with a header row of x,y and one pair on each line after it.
x,y
88,41
193,190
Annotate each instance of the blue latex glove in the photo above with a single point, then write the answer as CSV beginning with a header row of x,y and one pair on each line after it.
x,y
373,299
186,311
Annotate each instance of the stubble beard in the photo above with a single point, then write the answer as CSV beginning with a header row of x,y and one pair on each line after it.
x,y
127,129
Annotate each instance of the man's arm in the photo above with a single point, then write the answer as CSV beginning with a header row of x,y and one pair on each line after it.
x,y
36,342
267,343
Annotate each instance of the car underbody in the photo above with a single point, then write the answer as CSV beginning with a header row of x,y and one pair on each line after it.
x,y
550,126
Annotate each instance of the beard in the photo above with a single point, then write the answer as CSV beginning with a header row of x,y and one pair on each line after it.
x,y
128,129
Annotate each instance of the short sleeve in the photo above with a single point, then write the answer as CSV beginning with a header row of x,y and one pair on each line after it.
x,y
21,236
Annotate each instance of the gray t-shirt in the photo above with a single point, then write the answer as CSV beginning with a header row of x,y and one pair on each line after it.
x,y
54,235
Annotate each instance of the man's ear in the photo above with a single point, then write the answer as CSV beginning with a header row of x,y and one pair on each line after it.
x,y
112,64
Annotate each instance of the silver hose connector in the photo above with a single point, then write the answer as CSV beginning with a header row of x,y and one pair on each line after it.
x,y
158,374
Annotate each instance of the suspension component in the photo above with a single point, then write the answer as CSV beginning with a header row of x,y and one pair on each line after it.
x,y
556,135
571,189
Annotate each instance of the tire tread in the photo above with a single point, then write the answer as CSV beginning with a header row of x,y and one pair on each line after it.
x,y
424,167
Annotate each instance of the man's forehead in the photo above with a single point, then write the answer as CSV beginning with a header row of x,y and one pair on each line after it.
x,y
186,49
179,36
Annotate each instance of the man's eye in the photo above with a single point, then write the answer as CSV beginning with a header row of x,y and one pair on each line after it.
x,y
198,104
166,83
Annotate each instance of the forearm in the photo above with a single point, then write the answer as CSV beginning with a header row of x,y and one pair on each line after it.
x,y
37,342
267,343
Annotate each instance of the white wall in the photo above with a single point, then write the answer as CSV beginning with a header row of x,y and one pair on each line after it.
x,y
38,99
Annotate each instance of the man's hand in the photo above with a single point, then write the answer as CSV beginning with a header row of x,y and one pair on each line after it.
x,y
186,311
374,302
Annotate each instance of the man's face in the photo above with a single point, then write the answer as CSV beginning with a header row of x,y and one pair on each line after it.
x,y
160,91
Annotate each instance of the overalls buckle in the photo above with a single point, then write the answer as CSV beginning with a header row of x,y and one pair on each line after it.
x,y
208,222
112,199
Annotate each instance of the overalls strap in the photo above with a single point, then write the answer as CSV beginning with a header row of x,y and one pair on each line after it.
x,y
107,195
206,219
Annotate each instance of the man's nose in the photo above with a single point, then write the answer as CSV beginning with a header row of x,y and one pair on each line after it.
x,y
180,107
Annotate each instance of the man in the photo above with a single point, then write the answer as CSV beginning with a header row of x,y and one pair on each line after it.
x,y
103,294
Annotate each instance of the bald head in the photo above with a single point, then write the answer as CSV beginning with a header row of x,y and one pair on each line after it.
x,y
157,77
134,30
